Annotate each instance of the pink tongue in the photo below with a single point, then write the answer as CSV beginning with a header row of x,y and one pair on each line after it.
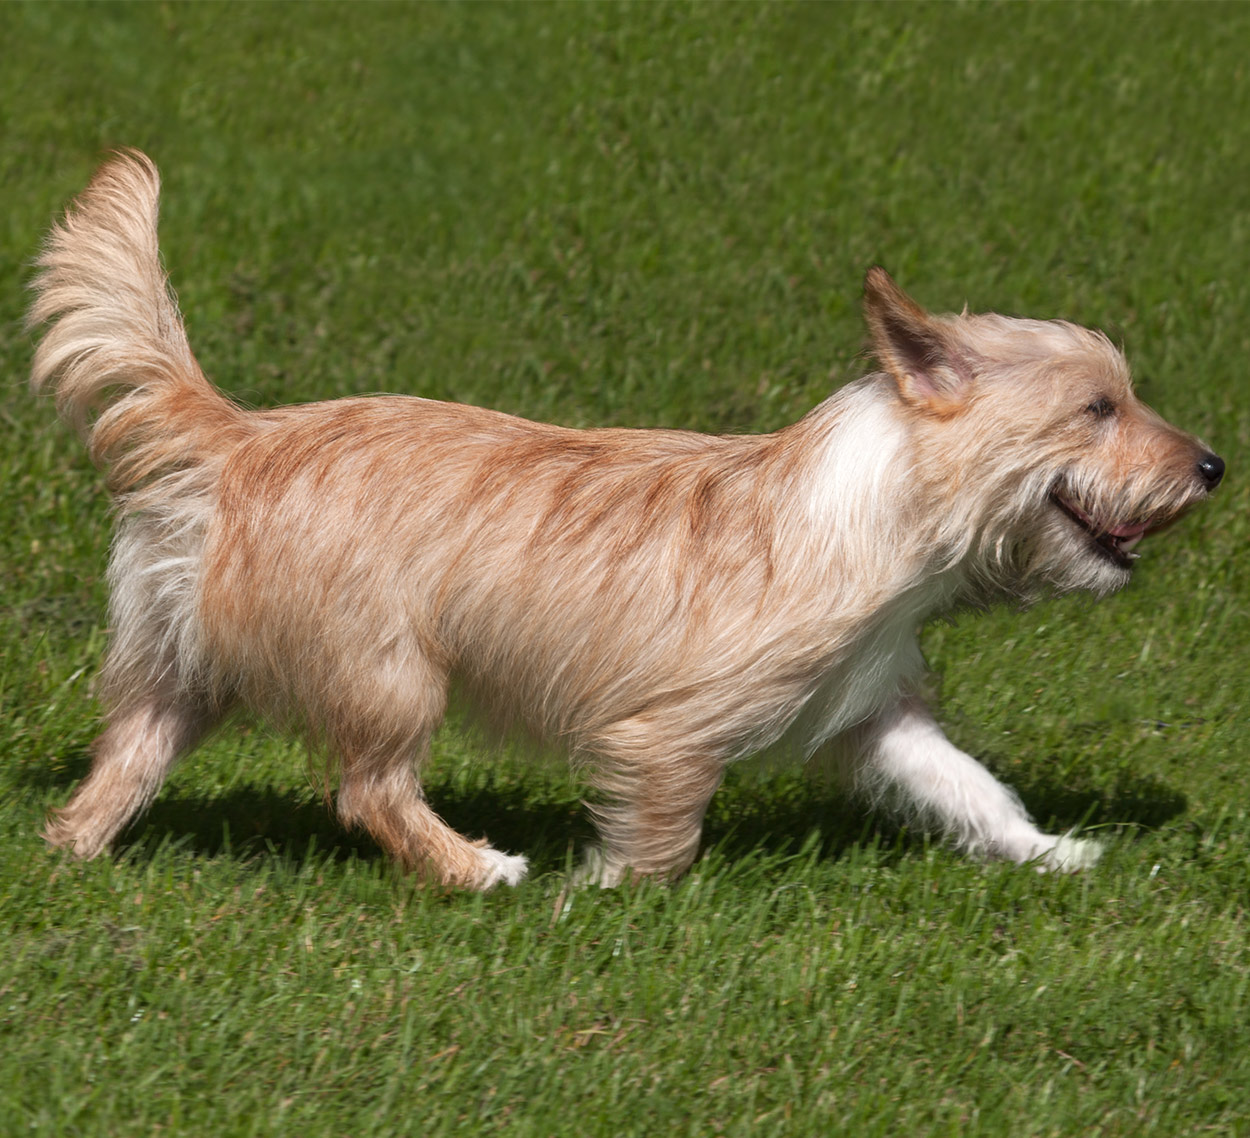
x,y
1128,531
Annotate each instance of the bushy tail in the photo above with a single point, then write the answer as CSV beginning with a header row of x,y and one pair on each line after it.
x,y
117,348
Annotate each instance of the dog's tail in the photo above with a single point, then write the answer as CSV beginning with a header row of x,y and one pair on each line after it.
x,y
116,355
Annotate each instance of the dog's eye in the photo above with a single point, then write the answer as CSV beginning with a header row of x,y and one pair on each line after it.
x,y
1101,408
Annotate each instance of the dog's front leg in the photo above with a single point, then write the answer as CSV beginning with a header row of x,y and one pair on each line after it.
x,y
906,756
656,794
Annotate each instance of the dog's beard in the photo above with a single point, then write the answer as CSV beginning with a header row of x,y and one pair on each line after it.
x,y
1043,549
1096,538
1072,556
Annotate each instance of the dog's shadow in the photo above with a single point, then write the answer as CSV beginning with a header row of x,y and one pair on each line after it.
x,y
753,813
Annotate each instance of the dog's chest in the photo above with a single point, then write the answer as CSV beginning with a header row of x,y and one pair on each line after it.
x,y
875,670
859,685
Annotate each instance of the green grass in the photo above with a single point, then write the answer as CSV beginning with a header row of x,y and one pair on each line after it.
x,y
645,215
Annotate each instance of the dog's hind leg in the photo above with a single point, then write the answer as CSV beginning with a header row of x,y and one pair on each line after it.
x,y
904,754
130,760
657,797
381,735
157,712
381,792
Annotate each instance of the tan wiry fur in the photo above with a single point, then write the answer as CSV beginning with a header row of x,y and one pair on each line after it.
x,y
657,603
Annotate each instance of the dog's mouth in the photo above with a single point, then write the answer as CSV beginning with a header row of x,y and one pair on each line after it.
x,y
1115,542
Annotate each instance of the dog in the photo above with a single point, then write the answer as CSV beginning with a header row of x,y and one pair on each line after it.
x,y
656,603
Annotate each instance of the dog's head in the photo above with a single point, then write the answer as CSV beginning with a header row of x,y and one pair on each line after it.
x,y
1029,430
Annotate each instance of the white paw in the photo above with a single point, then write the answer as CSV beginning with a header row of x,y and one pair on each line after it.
x,y
499,868
1070,855
597,870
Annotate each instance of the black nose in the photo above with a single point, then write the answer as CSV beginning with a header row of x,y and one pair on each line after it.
x,y
1211,468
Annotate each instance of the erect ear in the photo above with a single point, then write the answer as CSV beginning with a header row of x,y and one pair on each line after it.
x,y
919,351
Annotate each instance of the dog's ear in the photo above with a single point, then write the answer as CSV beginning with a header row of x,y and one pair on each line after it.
x,y
919,351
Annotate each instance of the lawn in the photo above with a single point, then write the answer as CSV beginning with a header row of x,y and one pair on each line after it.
x,y
645,215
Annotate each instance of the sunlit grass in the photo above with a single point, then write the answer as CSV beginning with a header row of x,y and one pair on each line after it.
x,y
652,215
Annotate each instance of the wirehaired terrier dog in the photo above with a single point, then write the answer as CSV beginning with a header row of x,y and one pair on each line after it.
x,y
658,603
